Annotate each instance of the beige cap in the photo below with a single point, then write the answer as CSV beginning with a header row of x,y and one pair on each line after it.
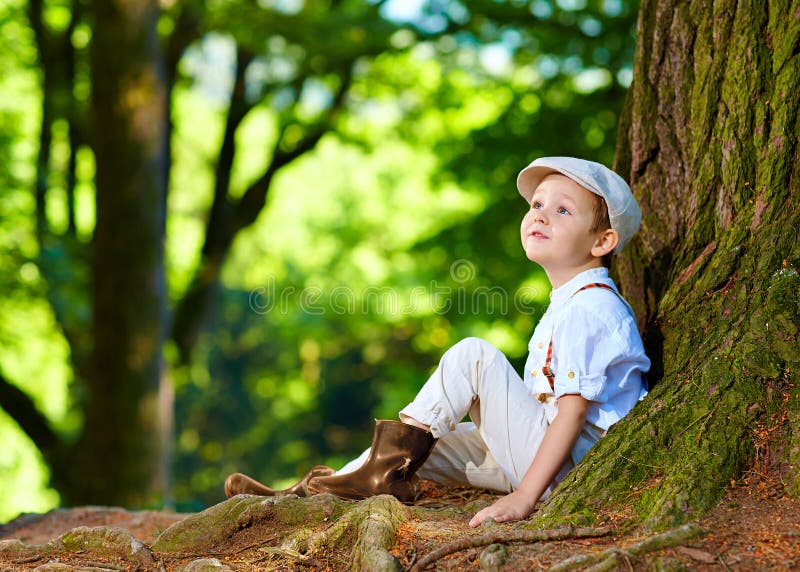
x,y
623,210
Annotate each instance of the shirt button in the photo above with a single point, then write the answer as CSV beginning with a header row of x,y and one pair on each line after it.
x,y
541,345
534,373
571,374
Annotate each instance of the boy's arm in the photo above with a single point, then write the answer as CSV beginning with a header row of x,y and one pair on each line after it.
x,y
556,447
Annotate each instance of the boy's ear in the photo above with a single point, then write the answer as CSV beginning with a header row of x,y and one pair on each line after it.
x,y
606,242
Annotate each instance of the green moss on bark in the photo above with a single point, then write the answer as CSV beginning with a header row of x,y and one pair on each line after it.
x,y
218,523
101,543
791,454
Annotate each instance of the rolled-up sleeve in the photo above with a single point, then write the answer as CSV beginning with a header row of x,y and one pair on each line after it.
x,y
586,347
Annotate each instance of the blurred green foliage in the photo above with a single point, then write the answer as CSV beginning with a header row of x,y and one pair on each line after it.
x,y
393,238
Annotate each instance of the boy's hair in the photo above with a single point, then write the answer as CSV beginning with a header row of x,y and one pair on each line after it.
x,y
600,222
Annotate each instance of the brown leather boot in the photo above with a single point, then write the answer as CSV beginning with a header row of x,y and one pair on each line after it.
x,y
237,484
398,450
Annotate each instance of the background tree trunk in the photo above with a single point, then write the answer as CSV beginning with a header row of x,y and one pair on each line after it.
x,y
129,129
710,146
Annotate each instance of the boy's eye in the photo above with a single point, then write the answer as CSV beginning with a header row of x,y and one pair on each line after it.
x,y
563,210
536,205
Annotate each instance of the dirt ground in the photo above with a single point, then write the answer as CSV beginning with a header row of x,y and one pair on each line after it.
x,y
754,527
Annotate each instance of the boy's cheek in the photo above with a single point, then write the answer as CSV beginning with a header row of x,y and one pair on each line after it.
x,y
526,220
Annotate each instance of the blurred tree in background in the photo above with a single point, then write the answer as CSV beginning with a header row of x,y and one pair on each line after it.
x,y
338,207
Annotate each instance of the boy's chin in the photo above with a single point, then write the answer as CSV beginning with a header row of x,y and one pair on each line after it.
x,y
533,256
537,261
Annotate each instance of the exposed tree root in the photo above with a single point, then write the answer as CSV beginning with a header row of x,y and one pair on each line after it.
x,y
613,557
294,556
94,542
310,532
508,536
373,523
203,533
377,533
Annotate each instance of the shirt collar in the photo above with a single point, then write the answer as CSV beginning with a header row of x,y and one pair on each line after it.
x,y
562,293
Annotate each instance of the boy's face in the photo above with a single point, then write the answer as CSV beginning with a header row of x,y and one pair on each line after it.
x,y
556,232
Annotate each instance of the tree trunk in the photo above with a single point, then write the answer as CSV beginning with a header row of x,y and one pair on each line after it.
x,y
709,143
121,436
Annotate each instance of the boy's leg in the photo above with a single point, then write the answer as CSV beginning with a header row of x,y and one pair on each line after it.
x,y
355,463
459,457
475,377
398,451
462,457
238,483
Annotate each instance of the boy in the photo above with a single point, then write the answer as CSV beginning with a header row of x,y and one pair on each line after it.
x,y
584,370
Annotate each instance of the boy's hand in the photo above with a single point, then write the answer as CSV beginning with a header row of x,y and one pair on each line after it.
x,y
513,506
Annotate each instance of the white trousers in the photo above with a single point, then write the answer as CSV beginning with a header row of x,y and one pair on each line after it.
x,y
508,421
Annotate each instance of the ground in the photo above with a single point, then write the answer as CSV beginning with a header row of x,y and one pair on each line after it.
x,y
754,527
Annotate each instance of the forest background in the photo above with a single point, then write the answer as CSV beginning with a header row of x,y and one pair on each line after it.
x,y
367,153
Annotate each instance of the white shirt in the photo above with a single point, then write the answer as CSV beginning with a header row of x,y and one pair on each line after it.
x,y
597,350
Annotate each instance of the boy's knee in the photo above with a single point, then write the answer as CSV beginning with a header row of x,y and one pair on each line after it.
x,y
473,347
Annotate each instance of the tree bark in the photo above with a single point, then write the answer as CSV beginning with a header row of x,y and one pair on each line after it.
x,y
121,431
195,306
35,9
710,148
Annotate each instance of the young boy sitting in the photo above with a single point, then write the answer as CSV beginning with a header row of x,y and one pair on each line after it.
x,y
584,370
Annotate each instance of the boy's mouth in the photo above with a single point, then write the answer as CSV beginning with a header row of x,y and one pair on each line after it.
x,y
537,234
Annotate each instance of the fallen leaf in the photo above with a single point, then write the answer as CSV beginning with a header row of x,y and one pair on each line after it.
x,y
696,554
